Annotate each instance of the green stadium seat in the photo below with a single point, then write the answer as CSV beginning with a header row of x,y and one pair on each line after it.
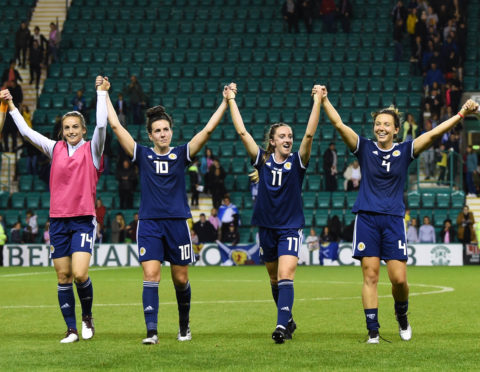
x,y
338,199
428,200
18,200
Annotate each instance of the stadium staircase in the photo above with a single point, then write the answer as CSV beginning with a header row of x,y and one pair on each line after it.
x,y
184,51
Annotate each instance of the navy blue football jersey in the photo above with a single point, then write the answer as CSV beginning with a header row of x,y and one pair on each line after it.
x,y
384,173
162,180
279,202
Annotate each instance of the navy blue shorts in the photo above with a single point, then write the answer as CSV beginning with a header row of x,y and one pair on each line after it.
x,y
279,242
379,235
165,240
72,234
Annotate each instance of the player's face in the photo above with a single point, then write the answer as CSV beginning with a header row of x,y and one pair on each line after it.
x,y
161,135
282,141
72,130
384,129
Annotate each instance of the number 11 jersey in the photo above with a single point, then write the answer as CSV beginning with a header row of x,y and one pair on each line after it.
x,y
279,201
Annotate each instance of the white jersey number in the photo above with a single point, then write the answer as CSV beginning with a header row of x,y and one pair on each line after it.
x,y
161,166
185,251
277,178
88,239
386,164
292,243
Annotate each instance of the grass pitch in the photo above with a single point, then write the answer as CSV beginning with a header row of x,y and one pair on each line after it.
x,y
232,318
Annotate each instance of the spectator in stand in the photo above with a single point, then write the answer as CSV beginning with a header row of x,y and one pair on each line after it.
x,y
40,39
398,37
399,12
204,229
35,61
231,235
313,241
22,41
214,220
412,231
326,236
352,176
100,212
330,167
447,235
46,233
465,225
127,182
216,183
16,233
442,164
11,74
253,185
290,14
53,43
412,20
472,163
205,163
426,233
195,180
428,155
306,12
27,115
335,228
410,128
78,103
345,11
227,213
121,108
433,75
117,234
3,239
131,229
10,129
327,13
137,99
32,224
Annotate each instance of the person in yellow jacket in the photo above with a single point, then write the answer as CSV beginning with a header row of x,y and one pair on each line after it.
x,y
3,239
442,164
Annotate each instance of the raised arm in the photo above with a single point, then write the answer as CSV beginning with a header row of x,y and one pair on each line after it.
x,y
426,140
247,139
197,142
102,86
348,135
306,145
124,138
41,142
3,107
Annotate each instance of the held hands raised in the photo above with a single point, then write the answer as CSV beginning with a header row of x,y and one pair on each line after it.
x,y
229,91
5,95
102,83
319,92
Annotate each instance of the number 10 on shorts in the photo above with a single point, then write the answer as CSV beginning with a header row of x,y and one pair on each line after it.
x,y
185,251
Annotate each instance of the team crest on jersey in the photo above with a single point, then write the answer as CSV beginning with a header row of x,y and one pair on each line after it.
x,y
172,156
361,246
52,249
396,153
142,251
288,166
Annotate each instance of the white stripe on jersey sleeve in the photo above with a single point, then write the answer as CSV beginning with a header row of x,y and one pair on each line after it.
x,y
358,145
188,152
300,160
134,152
258,157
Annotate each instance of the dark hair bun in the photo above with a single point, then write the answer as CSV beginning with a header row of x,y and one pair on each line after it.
x,y
156,111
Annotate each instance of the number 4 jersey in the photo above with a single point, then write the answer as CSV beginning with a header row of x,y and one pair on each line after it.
x,y
384,173
162,181
279,202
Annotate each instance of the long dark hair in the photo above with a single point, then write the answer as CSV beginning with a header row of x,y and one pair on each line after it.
x,y
269,149
157,113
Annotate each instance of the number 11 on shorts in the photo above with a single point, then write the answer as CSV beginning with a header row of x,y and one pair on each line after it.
x,y
293,240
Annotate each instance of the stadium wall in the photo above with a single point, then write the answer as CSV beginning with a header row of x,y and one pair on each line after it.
x,y
127,255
